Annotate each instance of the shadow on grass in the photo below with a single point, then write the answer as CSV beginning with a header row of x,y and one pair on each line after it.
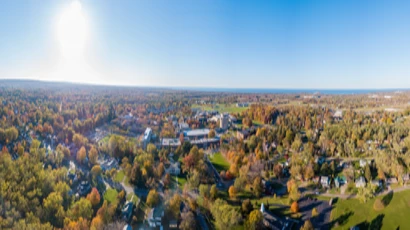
x,y
387,198
375,224
341,220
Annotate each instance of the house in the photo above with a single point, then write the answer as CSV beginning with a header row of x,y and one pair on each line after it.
x,y
173,224
363,162
360,182
405,177
339,181
173,169
377,183
325,181
84,188
154,217
242,134
319,160
391,180
126,211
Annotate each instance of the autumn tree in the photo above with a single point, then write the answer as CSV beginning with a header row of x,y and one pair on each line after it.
x,y
294,207
232,192
94,197
93,155
152,198
81,155
188,221
254,220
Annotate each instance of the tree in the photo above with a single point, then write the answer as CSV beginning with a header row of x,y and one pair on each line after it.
x,y
246,207
81,209
232,192
152,149
204,191
257,187
366,193
314,212
93,155
97,223
367,173
254,220
211,133
81,155
293,190
188,221
213,192
294,207
96,170
94,197
378,205
174,205
307,225
54,209
309,172
278,171
152,198
225,215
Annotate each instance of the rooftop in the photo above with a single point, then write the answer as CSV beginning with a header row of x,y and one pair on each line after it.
x,y
197,132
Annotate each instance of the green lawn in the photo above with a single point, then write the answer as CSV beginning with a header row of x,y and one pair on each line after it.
x,y
110,195
181,180
119,176
134,197
220,162
348,213
222,108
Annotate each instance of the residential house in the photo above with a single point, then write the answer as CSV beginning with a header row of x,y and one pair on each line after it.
x,y
242,134
154,217
360,182
173,224
84,188
325,181
377,183
391,180
340,181
173,169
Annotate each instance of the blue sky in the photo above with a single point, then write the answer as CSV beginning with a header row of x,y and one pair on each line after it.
x,y
217,43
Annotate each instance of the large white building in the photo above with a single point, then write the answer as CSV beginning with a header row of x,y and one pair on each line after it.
x,y
147,136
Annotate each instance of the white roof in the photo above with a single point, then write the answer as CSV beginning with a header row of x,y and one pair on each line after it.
x,y
197,132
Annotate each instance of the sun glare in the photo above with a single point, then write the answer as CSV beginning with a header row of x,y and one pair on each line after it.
x,y
72,31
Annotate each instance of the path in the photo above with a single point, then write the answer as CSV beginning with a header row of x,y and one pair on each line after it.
x,y
128,189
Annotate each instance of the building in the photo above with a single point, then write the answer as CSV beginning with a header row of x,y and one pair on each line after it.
x,y
224,121
126,211
147,136
242,134
173,169
154,217
196,134
325,181
274,222
360,182
173,224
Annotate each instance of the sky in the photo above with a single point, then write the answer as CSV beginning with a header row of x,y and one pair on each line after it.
x,y
212,43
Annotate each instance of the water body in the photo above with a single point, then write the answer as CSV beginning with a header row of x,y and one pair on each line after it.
x,y
293,91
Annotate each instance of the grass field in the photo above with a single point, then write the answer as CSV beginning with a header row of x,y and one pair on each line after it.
x,y
110,195
395,215
119,176
181,181
222,108
220,162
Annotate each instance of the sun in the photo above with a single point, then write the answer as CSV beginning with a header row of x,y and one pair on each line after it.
x,y
72,31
